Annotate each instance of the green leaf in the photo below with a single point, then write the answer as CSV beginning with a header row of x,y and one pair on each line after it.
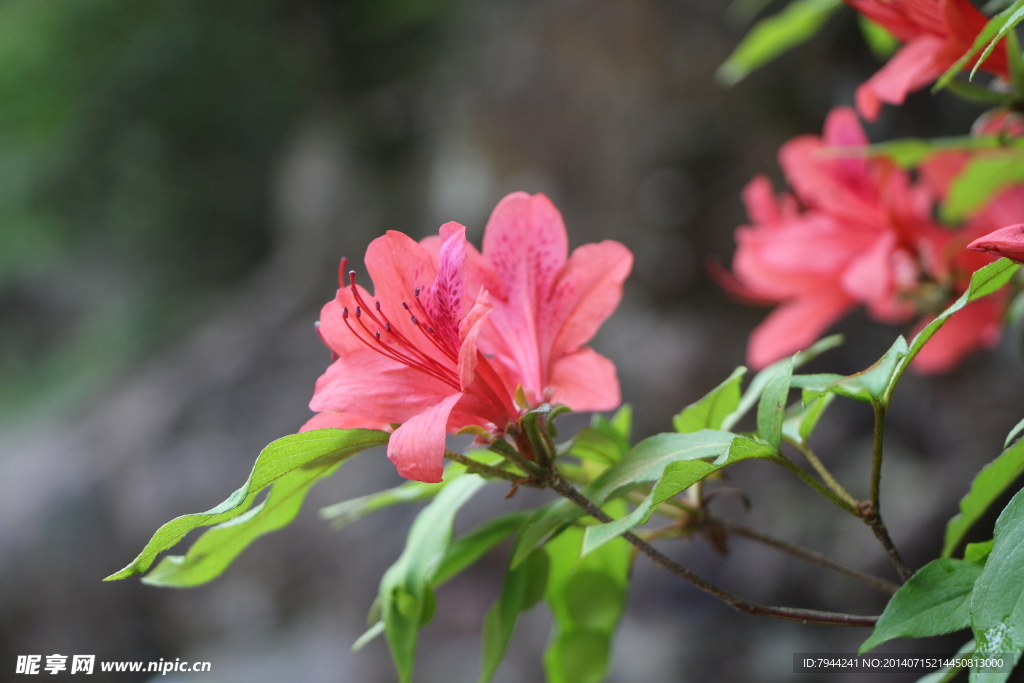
x,y
772,36
978,552
869,385
984,281
1014,433
710,411
524,586
799,426
406,593
910,152
771,409
997,604
988,485
935,600
985,37
948,673
622,422
344,513
472,545
291,465
1005,20
757,385
982,177
882,43
592,444
679,470
586,596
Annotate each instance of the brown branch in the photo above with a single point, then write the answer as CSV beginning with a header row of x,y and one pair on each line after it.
x,y
807,616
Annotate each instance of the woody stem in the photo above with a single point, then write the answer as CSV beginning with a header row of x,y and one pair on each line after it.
x,y
557,483
477,467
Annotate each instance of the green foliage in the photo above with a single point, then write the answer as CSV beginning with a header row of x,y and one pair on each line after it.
x,y
757,385
997,604
871,385
472,545
710,411
978,552
988,485
935,600
882,43
799,426
987,38
1015,432
346,512
406,591
676,461
771,409
772,36
523,588
586,596
948,673
290,466
910,152
983,176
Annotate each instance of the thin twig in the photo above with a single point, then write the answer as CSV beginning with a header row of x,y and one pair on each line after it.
x,y
849,506
823,472
806,553
872,512
807,616
477,467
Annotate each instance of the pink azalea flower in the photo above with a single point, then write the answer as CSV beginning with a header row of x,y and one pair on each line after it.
x,y
855,232
1007,242
935,33
450,333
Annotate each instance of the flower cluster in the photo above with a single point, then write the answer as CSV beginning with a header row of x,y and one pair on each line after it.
x,y
859,231
452,336
935,33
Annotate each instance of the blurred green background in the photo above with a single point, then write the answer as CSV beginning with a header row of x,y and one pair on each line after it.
x,y
177,183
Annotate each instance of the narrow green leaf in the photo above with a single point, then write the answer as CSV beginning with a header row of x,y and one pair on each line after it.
x,y
910,152
997,603
523,587
677,475
982,177
981,40
1006,19
406,594
712,409
988,485
471,546
291,464
592,444
622,422
774,35
586,596
346,512
934,601
771,409
1014,433
948,673
757,385
869,385
984,281
799,426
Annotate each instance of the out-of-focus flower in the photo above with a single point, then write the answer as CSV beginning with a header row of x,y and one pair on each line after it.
x,y
1008,242
856,231
935,33
450,334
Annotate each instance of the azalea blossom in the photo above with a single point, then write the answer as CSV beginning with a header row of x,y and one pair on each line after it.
x,y
1007,242
450,334
935,33
855,232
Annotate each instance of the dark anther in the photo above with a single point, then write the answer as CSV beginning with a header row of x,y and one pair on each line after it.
x,y
387,327
415,321
416,292
405,306
430,329
359,312
344,313
377,335
376,305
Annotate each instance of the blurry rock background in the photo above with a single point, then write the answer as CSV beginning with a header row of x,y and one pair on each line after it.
x,y
177,182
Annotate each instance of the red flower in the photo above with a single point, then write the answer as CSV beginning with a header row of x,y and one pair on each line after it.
x,y
935,33
450,333
857,232
1007,242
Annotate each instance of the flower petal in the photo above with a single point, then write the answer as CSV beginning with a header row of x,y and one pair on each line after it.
x,y
526,243
331,419
364,382
1008,242
914,66
795,325
585,380
587,292
417,447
